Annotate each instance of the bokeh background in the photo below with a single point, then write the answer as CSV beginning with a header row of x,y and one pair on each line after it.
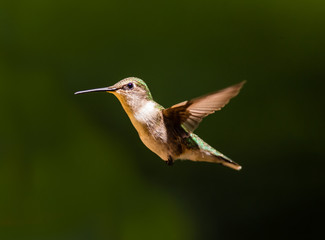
x,y
73,167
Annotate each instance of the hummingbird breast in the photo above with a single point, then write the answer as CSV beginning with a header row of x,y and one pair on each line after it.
x,y
149,122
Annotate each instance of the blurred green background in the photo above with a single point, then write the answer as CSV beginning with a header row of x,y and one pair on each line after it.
x,y
73,167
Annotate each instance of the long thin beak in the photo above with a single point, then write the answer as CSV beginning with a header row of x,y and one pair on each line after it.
x,y
105,89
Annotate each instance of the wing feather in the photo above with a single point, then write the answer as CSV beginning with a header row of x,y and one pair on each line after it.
x,y
190,113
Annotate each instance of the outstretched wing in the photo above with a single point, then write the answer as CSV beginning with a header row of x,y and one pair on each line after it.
x,y
190,113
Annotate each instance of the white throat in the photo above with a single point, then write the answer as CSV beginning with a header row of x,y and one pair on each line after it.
x,y
145,112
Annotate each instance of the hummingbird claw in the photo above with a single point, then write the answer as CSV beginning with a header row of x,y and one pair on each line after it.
x,y
170,161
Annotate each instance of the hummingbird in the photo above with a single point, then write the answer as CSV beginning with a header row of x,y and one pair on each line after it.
x,y
168,132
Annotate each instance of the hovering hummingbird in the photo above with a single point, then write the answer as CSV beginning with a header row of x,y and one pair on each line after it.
x,y
168,132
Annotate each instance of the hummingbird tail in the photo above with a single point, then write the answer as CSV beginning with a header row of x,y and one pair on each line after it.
x,y
205,153
213,157
227,162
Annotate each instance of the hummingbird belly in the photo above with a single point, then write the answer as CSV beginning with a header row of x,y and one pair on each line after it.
x,y
156,145
148,122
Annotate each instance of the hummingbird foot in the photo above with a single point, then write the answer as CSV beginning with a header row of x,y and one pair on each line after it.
x,y
170,161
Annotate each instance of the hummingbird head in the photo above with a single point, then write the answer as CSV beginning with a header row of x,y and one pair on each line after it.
x,y
131,89
131,92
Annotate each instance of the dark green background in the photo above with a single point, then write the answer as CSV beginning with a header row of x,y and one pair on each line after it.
x,y
73,167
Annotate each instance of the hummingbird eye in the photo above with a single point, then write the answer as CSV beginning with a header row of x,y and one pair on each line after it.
x,y
130,85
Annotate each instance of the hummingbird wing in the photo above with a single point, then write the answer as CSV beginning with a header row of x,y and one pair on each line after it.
x,y
190,113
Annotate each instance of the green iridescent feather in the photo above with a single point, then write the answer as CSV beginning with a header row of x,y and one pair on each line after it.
x,y
195,142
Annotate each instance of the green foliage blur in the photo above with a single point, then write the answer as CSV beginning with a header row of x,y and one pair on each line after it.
x,y
73,167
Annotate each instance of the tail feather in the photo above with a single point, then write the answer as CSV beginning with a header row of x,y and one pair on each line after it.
x,y
227,162
200,151
203,156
